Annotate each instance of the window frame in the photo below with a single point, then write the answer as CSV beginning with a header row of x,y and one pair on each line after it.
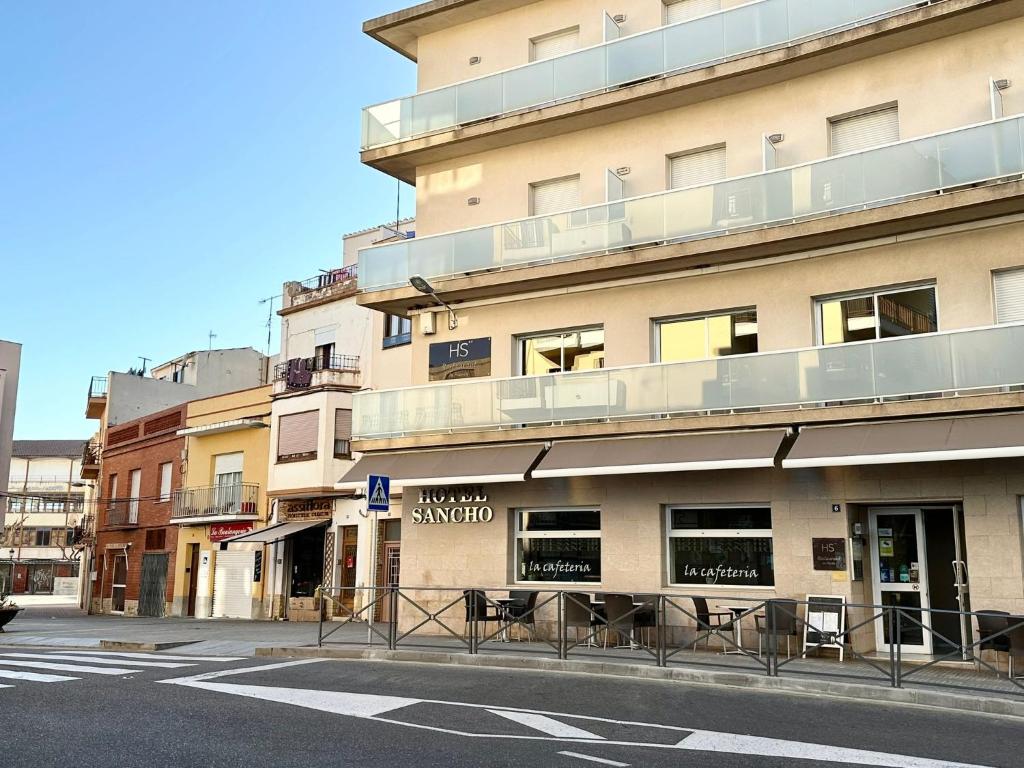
x,y
519,340
518,534
669,158
169,466
532,43
831,120
531,191
657,322
294,458
873,294
392,340
716,533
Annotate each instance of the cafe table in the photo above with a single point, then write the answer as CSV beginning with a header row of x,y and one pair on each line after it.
x,y
737,627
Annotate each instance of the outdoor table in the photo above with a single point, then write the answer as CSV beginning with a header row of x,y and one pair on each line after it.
x,y
737,627
504,603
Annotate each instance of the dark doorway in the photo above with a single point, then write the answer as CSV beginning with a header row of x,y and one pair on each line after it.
x,y
192,573
944,570
307,562
154,585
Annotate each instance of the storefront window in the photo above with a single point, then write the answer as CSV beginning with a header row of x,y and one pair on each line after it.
x,y
723,546
558,545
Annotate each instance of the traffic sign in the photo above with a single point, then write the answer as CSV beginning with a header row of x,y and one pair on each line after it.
x,y
378,489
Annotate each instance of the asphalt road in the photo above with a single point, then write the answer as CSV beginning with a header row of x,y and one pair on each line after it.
x,y
101,709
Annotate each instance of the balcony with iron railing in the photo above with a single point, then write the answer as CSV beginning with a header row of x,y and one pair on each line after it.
x,y
330,285
906,170
314,372
233,501
97,398
90,469
121,513
927,365
621,61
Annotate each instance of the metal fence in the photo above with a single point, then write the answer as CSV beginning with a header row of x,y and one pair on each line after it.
x,y
98,386
328,278
121,513
307,365
216,501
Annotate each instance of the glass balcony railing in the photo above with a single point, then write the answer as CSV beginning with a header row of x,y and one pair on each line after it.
x,y
854,181
926,364
691,44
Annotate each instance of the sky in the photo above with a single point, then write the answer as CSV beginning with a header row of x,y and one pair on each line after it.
x,y
166,165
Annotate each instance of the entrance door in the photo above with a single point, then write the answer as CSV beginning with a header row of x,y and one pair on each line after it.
x,y
193,578
348,563
152,593
20,579
118,583
900,577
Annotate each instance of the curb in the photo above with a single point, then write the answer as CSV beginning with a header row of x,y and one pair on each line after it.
x,y
119,645
961,702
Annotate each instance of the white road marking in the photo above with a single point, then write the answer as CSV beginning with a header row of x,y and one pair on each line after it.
x,y
92,659
593,759
67,667
244,671
159,656
362,705
34,677
545,724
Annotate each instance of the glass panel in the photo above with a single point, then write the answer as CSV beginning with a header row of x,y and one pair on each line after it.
x,y
695,42
635,58
479,99
907,312
682,340
560,520
911,633
913,365
731,561
898,552
579,73
987,358
584,350
569,560
846,320
722,518
754,26
542,354
529,86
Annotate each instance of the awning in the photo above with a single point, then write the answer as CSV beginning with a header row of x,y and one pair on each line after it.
x,y
900,442
273,533
671,453
458,466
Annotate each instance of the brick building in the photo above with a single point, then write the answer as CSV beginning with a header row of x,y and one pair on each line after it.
x,y
135,542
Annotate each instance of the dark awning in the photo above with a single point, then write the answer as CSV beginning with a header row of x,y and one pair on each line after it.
x,y
900,442
273,533
458,466
670,453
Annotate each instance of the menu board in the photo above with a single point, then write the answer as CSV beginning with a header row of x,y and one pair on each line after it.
x,y
829,554
825,623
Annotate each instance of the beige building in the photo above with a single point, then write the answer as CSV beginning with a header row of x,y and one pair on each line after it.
x,y
743,289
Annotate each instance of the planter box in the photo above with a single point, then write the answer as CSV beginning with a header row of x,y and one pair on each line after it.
x,y
7,615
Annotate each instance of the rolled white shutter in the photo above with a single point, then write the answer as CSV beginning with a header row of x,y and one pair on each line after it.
x,y
1009,289
696,168
681,10
232,585
554,196
322,336
555,45
227,463
871,129
297,433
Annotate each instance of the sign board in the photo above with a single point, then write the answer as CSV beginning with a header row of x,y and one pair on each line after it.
x,y
257,568
829,554
466,359
378,493
825,623
465,504
305,509
221,531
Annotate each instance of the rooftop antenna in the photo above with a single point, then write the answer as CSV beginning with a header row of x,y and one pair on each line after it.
x,y
145,362
212,336
270,317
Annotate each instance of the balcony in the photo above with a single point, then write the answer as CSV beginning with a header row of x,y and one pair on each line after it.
x,y
121,513
237,501
97,400
668,50
90,461
856,181
304,373
329,286
926,365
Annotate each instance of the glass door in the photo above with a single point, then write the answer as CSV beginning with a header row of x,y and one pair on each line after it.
x,y
118,583
900,577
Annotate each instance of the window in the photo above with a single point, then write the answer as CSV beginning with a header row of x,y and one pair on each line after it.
x,y
1009,293
554,196
580,350
702,166
227,477
165,481
683,10
42,538
342,433
156,538
878,315
558,545
555,44
700,338
397,331
323,345
297,436
135,481
112,487
724,546
871,128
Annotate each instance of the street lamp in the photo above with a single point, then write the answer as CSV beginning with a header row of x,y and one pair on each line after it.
x,y
420,284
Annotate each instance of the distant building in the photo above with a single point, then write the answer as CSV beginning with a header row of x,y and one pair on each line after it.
x,y
10,362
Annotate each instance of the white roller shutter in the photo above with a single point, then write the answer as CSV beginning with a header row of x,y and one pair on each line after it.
x,y
695,168
228,463
326,335
232,585
298,433
869,129
681,10
1009,289
549,197
549,46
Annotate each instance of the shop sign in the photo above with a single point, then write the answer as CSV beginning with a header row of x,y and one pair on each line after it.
x,y
222,531
467,359
306,509
829,554
464,504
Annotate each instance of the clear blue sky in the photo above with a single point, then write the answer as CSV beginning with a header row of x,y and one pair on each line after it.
x,y
167,164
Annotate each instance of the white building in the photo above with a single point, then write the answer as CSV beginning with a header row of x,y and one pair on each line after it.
x,y
10,363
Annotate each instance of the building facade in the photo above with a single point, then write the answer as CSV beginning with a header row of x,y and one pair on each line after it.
x,y
10,365
730,286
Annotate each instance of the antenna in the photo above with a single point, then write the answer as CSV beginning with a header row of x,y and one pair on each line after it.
x,y
145,362
270,317
212,336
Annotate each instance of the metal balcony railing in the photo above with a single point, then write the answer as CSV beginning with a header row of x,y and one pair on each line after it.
x,y
298,373
326,279
927,364
90,454
868,178
121,513
621,61
98,387
216,501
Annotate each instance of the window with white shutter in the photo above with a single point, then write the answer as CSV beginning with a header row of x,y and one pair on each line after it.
x,y
682,10
166,470
547,197
297,436
864,130
555,44
701,167
342,433
1009,290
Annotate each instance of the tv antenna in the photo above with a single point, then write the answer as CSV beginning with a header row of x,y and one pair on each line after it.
x,y
270,317
212,336
145,362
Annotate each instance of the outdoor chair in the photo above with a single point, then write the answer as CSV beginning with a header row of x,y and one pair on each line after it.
x,y
990,624
708,622
646,616
620,616
485,611
579,612
520,611
1016,635
783,613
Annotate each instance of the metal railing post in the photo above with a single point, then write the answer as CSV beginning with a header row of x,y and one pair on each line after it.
x,y
563,630
773,643
660,617
892,647
320,617
474,627
898,637
392,618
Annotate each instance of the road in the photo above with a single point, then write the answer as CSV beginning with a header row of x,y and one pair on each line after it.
x,y
96,708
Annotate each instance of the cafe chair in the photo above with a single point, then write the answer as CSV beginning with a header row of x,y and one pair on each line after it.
x,y
1016,652
520,611
619,612
579,612
485,611
646,617
990,624
783,613
708,622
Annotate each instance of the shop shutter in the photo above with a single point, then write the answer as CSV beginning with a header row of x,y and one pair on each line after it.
x,y
554,45
870,129
342,424
549,197
681,10
695,168
232,585
1009,288
297,433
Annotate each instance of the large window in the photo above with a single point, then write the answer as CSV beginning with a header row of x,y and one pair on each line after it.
x,y
721,546
343,433
700,338
560,545
297,436
878,315
580,350
397,331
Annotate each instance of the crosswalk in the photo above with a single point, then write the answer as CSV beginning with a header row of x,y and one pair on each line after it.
x,y
65,666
